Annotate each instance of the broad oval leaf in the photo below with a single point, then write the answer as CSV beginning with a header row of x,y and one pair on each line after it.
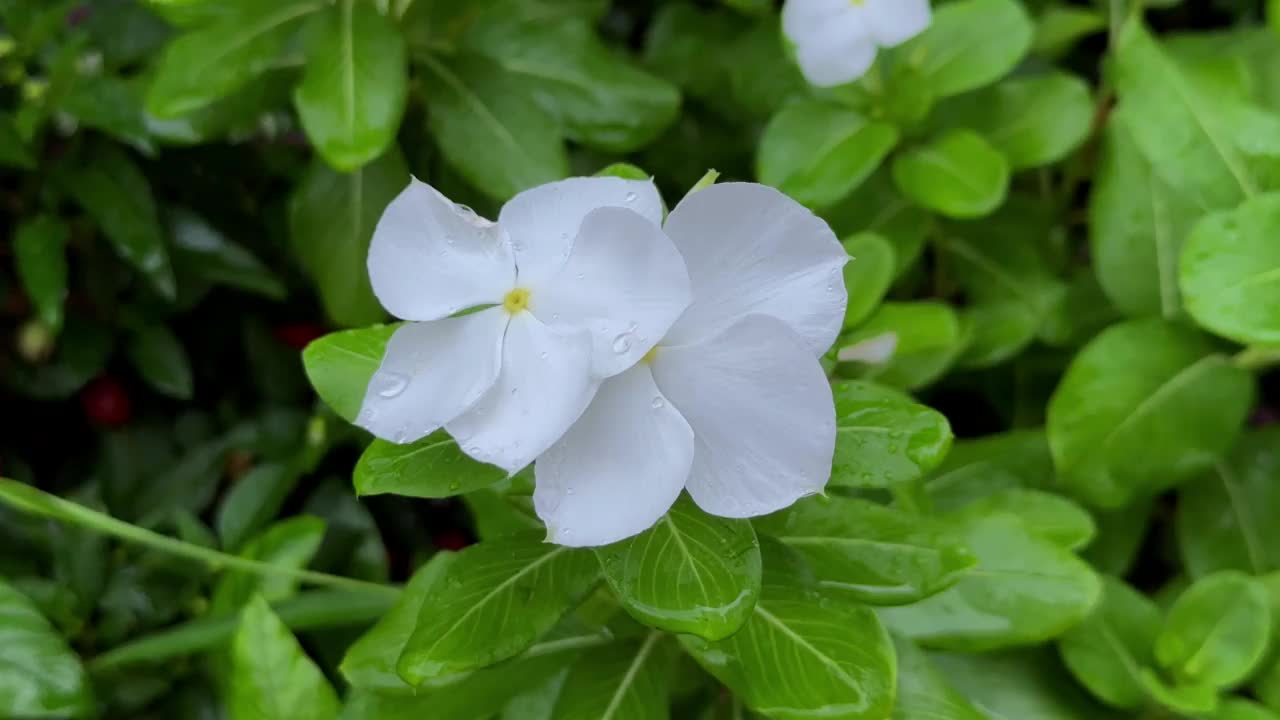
x,y
271,676
1230,272
969,44
494,601
355,84
906,345
818,152
689,573
339,366
622,680
958,174
884,438
1053,517
923,693
876,554
433,467
1036,120
870,271
1218,630
158,356
43,677
1107,651
1020,685
1144,406
1024,590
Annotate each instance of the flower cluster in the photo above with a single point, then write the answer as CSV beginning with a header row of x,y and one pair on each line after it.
x,y
836,41
631,357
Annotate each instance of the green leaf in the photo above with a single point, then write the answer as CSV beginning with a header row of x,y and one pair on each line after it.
x,y
339,366
253,502
1061,26
958,174
1187,699
818,152
217,59
112,105
433,467
871,269
876,554
1024,590
877,207
1053,517
1108,650
40,253
804,654
1137,224
884,438
495,514
1238,709
1204,142
43,677
623,680
1120,535
1019,685
923,339
1143,407
271,677
1230,272
1218,630
158,356
202,251
498,597
489,126
1224,519
923,693
13,149
355,84
1034,121
289,544
331,220
969,44
115,193
689,573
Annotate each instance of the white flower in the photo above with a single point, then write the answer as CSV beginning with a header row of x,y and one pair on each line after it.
x,y
582,282
836,40
732,403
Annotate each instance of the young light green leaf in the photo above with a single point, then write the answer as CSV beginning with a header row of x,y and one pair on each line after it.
x,y
923,693
623,680
496,599
690,573
433,467
958,174
1185,698
1035,120
1024,590
1060,26
1053,517
1240,709
818,152
876,554
355,84
340,364
158,356
271,676
1144,406
884,438
1108,650
1218,630
1230,272
868,275
40,253
331,220
43,676
969,44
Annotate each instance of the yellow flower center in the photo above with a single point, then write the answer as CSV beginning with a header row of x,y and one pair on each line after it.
x,y
516,301
649,356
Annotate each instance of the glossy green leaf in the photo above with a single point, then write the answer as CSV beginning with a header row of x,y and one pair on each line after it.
x,y
43,677
1182,698
689,573
340,364
489,126
1218,630
1240,709
958,174
969,44
289,544
1120,535
112,105
497,598
818,152
271,676
868,275
1144,406
433,467
906,345
40,254
252,502
1019,685
217,59
1108,650
1035,120
884,438
158,356
331,220
1053,517
200,250
355,84
1024,590
923,693
1230,272
1060,26
876,554
628,681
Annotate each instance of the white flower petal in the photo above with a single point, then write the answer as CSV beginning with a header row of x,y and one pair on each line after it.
x,y
433,372
544,386
751,249
542,222
833,40
762,414
618,469
430,258
624,281
893,22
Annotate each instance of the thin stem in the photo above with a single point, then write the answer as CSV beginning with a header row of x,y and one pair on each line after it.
x,y
1257,358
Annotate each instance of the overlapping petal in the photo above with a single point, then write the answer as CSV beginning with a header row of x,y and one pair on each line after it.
x,y
433,372
618,469
624,280
430,258
893,22
833,42
762,414
751,249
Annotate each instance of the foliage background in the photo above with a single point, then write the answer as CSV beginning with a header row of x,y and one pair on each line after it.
x,y
1064,215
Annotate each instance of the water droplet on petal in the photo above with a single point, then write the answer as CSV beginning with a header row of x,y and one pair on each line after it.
x,y
391,384
568,491
622,343
543,354
631,197
658,402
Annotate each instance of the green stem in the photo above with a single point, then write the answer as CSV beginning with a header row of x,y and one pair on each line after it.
x,y
308,611
1257,358
36,502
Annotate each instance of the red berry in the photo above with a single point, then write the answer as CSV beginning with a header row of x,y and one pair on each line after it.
x,y
298,335
78,15
105,402
450,540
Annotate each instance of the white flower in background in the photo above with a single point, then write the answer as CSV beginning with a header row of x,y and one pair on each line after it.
x,y
581,282
836,40
732,403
